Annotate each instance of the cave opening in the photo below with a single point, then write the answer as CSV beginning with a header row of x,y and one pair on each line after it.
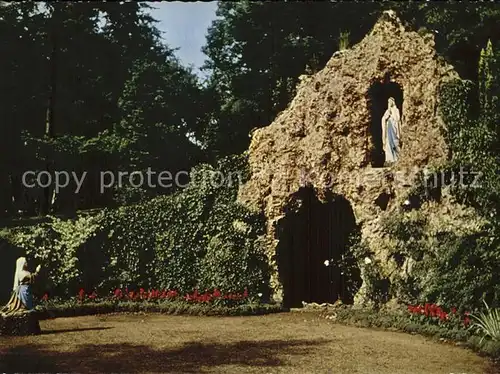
x,y
378,96
314,262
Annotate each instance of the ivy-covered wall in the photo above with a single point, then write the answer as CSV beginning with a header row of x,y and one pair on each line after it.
x,y
197,238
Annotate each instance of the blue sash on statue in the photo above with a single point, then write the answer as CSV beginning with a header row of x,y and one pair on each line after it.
x,y
24,294
392,138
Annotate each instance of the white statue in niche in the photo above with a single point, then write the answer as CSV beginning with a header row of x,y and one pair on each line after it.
x,y
391,131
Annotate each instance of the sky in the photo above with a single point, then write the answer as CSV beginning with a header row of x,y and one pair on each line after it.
x,y
184,25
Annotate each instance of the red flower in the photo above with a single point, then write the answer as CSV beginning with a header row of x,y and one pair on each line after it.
x,y
438,312
171,294
443,316
427,309
81,294
414,309
434,310
118,293
156,294
45,297
216,293
245,293
203,298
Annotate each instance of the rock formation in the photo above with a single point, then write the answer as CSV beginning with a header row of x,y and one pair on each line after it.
x,y
329,136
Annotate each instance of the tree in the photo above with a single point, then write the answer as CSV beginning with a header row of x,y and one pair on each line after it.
x,y
68,71
158,107
460,29
256,52
21,92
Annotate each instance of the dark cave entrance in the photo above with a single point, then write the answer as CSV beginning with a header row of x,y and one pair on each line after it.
x,y
378,95
316,232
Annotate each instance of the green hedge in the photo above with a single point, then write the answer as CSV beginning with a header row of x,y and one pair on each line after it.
x,y
172,308
198,238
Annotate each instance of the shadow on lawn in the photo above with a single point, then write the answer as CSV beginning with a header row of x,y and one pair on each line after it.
x,y
51,332
126,358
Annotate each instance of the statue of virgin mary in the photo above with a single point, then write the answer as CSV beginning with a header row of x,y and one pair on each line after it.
x,y
391,131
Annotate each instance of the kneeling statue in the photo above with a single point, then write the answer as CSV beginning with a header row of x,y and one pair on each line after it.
x,y
18,311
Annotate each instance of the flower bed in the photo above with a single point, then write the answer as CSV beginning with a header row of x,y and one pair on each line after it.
x,y
155,301
429,320
215,296
435,314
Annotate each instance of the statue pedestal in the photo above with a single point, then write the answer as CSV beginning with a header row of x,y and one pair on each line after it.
x,y
20,324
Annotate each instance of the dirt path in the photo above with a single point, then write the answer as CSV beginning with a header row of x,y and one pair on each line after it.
x,y
280,343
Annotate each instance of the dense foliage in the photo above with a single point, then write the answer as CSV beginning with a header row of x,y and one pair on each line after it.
x,y
83,86
474,140
449,267
452,266
257,51
197,238
89,87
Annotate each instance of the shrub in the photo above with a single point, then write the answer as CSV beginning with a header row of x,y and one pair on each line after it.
x,y
462,268
234,264
58,245
488,323
465,270
343,40
449,266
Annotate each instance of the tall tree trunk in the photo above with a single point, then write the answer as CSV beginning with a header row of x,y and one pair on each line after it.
x,y
49,118
50,113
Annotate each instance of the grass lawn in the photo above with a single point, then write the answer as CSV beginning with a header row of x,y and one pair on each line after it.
x,y
276,343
